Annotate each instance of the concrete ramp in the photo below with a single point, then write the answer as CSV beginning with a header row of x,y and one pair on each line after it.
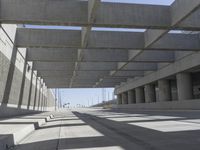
x,y
13,130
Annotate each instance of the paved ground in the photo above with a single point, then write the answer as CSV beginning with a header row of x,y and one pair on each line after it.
x,y
93,129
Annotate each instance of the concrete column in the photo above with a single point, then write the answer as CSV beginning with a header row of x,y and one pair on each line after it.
x,y
39,96
131,97
30,90
10,76
184,86
139,93
36,93
150,93
125,98
164,90
119,99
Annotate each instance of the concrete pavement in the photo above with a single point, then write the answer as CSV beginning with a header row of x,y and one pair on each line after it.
x,y
13,130
97,129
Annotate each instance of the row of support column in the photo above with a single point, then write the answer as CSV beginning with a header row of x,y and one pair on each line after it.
x,y
147,93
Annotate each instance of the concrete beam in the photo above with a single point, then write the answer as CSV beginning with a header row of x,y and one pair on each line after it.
x,y
108,79
54,79
109,39
111,55
55,74
48,38
103,40
180,41
91,74
155,56
75,13
113,80
69,55
127,73
92,8
138,66
50,66
181,9
101,55
57,85
105,85
152,37
172,69
61,81
103,66
191,21
85,36
52,54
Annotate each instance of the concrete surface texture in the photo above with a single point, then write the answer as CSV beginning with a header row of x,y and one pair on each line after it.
x,y
64,58
21,90
155,64
13,130
153,68
98,129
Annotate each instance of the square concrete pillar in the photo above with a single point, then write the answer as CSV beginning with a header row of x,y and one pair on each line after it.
x,y
131,97
150,93
184,86
164,90
139,93
119,99
125,98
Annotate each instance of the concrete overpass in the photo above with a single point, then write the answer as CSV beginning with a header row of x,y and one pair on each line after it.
x,y
150,55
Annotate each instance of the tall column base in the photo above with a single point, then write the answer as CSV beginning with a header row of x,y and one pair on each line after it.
x,y
140,97
150,93
125,98
131,97
119,99
184,86
164,90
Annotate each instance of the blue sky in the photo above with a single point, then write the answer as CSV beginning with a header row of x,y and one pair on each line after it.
x,y
89,96
85,96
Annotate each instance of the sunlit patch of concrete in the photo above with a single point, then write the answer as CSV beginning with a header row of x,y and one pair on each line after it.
x,y
107,114
168,126
73,122
197,121
140,117
79,131
164,117
130,119
99,148
124,115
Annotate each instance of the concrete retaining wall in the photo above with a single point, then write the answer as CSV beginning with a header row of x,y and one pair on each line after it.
x,y
19,93
171,105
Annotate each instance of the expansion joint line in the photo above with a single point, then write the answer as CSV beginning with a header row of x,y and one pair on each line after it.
x,y
59,135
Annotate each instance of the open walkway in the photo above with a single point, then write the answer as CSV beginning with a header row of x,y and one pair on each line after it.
x,y
97,129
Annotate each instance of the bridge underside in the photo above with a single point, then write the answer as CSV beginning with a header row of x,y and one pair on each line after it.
x,y
150,54
147,52
87,54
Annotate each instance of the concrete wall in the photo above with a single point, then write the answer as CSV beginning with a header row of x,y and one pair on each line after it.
x,y
176,105
18,81
177,85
